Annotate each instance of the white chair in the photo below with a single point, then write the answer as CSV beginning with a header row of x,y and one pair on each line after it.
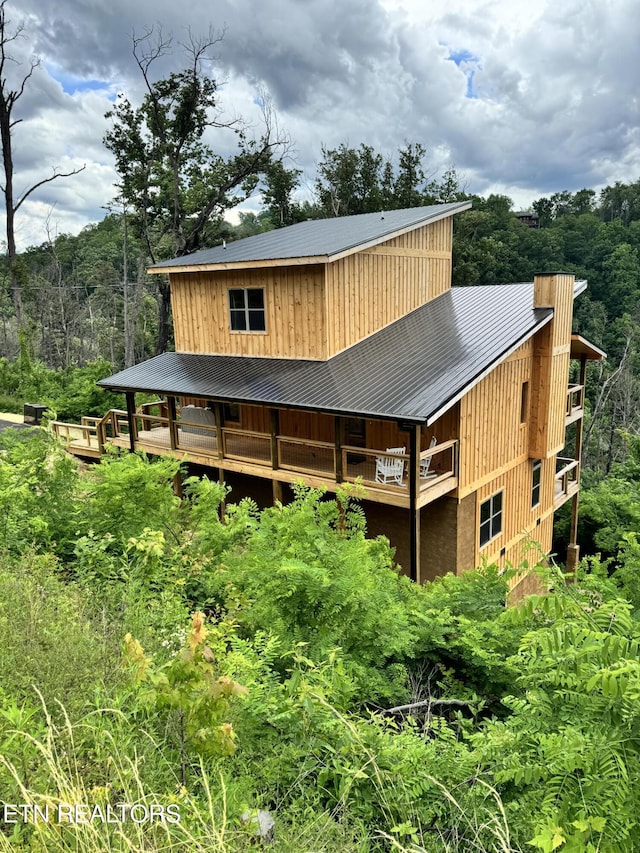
x,y
389,470
425,464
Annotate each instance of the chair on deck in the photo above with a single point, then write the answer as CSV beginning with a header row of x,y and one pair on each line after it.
x,y
425,464
389,470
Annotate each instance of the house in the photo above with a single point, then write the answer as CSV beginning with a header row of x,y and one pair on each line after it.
x,y
337,351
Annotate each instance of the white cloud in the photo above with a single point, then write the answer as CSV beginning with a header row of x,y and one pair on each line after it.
x,y
553,87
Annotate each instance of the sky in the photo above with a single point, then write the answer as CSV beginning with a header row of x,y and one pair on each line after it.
x,y
521,97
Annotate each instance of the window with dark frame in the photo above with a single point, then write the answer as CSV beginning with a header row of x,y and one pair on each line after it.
x,y
536,474
246,309
524,403
231,412
490,518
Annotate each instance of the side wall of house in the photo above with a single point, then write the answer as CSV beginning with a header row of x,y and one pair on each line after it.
x,y
376,286
295,312
494,422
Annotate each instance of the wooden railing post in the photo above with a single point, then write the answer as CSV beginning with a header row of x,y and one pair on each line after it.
x,y
217,409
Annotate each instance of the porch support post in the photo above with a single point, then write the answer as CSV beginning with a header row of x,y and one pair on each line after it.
x,y
131,419
573,550
217,409
275,429
274,438
173,428
414,509
338,431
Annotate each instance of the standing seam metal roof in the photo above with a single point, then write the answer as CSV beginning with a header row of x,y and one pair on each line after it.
x,y
410,370
317,237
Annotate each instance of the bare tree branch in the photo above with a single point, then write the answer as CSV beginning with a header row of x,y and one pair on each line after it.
x,y
48,180
8,98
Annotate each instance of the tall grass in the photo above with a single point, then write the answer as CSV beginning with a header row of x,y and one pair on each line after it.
x,y
202,826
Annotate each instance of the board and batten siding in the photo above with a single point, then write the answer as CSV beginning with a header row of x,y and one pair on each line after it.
x,y
374,287
294,312
493,437
551,364
526,530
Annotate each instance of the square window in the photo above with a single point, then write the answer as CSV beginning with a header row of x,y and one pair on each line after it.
x,y
246,309
490,518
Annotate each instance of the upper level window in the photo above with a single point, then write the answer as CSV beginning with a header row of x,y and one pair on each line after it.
x,y
535,482
490,518
524,402
246,309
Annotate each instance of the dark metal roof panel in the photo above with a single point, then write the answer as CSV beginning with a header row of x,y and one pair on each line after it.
x,y
409,370
317,237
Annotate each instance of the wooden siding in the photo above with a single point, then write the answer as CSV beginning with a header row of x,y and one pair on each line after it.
x,y
372,288
294,312
552,346
523,527
314,426
492,437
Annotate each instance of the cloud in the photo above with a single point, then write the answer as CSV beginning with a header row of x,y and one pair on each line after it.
x,y
525,99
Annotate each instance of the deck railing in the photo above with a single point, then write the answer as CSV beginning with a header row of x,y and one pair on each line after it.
x,y
85,434
444,462
154,429
362,463
575,401
246,445
567,476
309,457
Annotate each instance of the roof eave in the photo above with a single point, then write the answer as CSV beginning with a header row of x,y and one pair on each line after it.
x,y
432,418
254,401
311,259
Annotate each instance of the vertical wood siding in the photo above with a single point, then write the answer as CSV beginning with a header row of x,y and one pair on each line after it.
x,y
372,288
492,437
521,533
315,311
551,365
294,312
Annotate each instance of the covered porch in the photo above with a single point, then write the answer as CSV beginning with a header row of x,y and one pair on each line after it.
x,y
284,446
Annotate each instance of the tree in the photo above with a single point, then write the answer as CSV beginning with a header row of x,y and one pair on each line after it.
x,y
175,185
9,95
360,180
347,181
281,183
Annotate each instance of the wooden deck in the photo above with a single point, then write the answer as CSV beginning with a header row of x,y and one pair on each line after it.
x,y
246,452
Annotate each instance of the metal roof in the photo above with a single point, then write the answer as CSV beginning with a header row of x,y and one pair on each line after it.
x,y
316,239
413,369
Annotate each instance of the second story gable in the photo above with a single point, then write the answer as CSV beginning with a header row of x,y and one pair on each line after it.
x,y
314,289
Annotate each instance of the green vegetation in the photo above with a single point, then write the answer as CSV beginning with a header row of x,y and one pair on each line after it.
x,y
158,654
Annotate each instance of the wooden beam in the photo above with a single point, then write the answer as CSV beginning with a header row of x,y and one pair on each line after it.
x,y
274,438
414,509
339,427
217,408
131,419
173,427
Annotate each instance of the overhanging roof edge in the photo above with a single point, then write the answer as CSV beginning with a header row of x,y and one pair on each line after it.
x,y
431,419
254,401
